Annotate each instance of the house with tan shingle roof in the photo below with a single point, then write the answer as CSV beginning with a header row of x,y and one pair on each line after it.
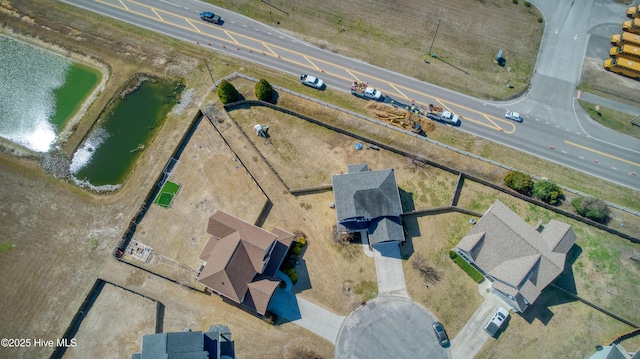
x,y
519,260
241,260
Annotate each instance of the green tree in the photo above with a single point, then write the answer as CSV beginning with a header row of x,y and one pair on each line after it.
x,y
547,191
519,181
264,90
227,92
592,208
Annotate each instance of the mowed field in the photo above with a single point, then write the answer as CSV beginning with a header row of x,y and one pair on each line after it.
x,y
396,35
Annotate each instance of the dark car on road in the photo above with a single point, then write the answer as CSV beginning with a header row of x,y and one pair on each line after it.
x,y
210,17
441,334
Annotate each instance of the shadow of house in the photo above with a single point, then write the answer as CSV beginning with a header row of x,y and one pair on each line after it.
x,y
241,261
369,202
214,344
284,303
518,260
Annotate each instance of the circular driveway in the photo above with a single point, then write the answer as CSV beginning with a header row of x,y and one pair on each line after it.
x,y
389,327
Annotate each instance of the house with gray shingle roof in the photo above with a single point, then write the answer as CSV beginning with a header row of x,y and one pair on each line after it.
x,y
519,260
368,201
614,351
241,260
214,344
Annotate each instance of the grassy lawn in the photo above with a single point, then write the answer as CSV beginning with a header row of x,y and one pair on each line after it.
x,y
615,120
465,35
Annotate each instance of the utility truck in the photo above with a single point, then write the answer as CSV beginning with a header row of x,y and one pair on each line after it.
x,y
437,113
362,90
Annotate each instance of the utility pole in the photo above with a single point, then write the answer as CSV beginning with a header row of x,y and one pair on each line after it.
x,y
209,70
432,41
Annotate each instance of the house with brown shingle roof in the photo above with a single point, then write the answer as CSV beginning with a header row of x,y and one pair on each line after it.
x,y
241,260
519,260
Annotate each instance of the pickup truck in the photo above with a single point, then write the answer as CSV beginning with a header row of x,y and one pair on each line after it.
x,y
210,17
311,81
437,113
497,321
362,90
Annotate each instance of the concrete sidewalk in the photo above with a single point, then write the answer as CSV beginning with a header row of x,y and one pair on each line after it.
x,y
472,336
605,102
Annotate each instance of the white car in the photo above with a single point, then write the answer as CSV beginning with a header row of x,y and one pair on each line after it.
x,y
497,321
311,81
514,116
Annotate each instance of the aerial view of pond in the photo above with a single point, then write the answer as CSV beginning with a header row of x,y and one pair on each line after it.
x,y
41,91
126,128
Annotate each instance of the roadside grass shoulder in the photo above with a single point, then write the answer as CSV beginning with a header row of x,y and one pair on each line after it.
x,y
615,120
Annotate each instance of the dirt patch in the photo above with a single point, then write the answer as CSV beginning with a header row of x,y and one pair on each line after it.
x,y
117,316
211,178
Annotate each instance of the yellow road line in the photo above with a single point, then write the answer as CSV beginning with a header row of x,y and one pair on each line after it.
x,y
231,37
158,15
194,26
498,126
314,65
350,73
602,153
400,92
268,48
312,60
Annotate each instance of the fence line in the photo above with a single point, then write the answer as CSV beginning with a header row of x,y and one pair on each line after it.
x,y
459,151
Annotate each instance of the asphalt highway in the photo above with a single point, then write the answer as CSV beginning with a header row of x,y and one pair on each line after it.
x,y
554,128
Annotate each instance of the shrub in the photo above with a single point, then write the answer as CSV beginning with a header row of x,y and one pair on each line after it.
x,y
294,278
527,4
515,2
302,241
452,254
540,20
547,191
592,208
297,250
264,91
289,271
519,181
471,271
227,92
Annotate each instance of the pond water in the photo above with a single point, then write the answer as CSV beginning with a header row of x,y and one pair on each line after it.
x,y
119,138
40,91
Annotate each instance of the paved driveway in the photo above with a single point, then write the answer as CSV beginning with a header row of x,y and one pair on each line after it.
x,y
389,269
389,327
472,336
302,312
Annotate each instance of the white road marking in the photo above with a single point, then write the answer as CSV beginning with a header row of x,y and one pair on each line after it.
x,y
614,168
564,151
556,30
582,158
575,37
170,3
